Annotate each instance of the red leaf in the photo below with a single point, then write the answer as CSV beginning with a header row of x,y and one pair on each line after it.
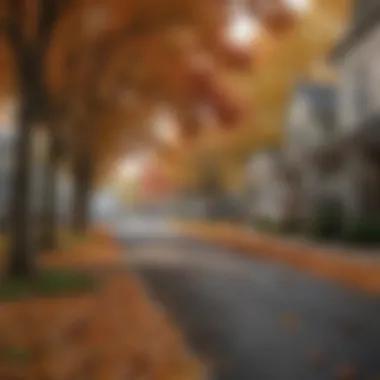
x,y
239,57
201,74
280,21
229,112
275,15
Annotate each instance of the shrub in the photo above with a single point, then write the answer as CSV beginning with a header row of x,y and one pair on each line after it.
x,y
364,231
48,283
328,222
290,227
266,224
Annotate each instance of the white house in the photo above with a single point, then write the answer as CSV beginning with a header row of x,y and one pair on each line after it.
x,y
266,189
288,186
311,157
310,120
358,58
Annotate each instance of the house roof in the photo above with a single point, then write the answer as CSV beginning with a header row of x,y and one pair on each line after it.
x,y
323,97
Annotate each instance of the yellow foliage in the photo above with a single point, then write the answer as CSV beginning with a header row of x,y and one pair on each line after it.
x,y
279,62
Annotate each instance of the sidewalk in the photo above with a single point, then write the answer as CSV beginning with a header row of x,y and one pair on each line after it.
x,y
112,332
355,269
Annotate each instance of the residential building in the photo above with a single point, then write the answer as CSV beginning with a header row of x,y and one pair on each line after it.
x,y
312,171
265,187
357,56
331,152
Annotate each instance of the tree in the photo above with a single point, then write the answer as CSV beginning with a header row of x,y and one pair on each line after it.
x,y
27,27
169,81
61,50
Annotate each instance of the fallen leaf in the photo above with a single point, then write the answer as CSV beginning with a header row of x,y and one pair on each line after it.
x,y
291,322
118,326
317,358
351,329
285,281
346,371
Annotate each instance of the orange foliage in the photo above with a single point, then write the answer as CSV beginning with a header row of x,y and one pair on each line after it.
x,y
280,21
115,331
166,52
239,57
275,15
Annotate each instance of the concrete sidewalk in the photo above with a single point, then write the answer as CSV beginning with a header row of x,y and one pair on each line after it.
x,y
356,269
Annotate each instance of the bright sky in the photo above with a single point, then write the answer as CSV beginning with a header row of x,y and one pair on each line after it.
x,y
165,127
132,167
299,5
244,29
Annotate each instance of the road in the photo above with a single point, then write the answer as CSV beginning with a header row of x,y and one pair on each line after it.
x,y
253,320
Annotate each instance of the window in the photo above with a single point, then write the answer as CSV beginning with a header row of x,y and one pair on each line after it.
x,y
374,75
362,93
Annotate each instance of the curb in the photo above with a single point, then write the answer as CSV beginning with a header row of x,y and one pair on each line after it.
x,y
351,271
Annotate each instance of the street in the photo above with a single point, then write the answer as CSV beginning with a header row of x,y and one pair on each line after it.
x,y
251,319
256,118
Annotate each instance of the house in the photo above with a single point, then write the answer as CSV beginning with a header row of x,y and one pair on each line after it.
x,y
331,152
313,160
288,185
357,56
265,188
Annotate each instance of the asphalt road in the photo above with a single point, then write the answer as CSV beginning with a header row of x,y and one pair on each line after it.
x,y
253,320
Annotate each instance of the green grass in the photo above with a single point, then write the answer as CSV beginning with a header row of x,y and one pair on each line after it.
x,y
13,355
266,225
48,283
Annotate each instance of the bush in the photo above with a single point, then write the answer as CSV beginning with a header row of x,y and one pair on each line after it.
x,y
290,227
328,223
326,228
267,225
364,231
49,283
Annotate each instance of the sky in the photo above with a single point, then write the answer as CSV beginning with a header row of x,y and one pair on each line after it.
x,y
243,29
133,165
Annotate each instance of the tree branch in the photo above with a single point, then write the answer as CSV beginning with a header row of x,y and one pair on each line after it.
x,y
49,13
12,27
5,27
107,47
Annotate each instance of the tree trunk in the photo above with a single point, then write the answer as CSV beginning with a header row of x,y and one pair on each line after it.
x,y
29,58
21,260
83,173
49,221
